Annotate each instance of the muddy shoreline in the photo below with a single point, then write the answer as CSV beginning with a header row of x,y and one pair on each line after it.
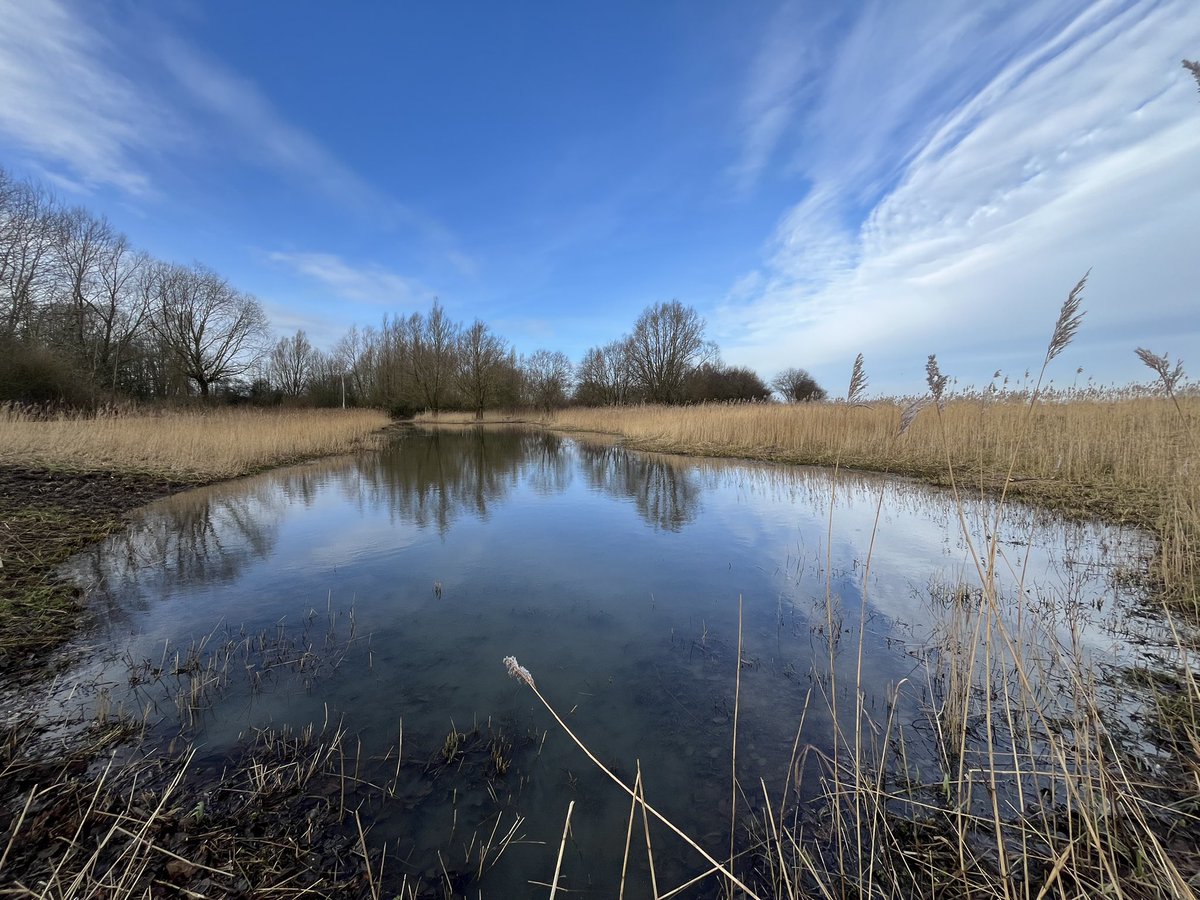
x,y
46,516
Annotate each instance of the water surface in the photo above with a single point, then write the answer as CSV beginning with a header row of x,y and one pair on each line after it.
x,y
615,577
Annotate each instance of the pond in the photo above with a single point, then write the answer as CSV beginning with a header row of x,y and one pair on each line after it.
x,y
381,592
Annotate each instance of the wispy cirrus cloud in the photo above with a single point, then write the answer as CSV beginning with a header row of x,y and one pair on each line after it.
x,y
93,100
368,283
65,102
955,201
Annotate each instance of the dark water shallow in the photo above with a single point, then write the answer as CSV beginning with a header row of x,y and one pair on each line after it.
x,y
614,576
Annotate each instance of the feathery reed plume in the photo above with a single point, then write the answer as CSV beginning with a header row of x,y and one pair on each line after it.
x,y
1069,318
518,671
1161,366
1194,68
936,380
858,381
908,414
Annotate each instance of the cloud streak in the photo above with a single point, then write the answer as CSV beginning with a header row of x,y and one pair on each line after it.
x,y
93,106
944,218
65,103
370,283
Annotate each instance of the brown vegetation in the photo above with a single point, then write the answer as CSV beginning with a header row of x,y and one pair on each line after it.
x,y
199,444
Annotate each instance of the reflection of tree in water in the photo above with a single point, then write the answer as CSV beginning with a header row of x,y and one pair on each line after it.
x,y
431,478
206,536
666,494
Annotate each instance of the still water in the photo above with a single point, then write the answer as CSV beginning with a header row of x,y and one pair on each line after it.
x,y
615,578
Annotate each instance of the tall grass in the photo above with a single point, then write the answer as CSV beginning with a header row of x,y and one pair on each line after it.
x,y
202,444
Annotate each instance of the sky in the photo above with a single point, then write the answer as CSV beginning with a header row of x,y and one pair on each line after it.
x,y
892,178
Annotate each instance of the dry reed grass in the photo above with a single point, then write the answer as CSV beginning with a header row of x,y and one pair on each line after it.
x,y
187,444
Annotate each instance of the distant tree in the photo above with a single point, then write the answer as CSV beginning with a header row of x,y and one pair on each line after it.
x,y
120,310
603,376
797,386
547,376
291,364
481,361
356,353
212,331
712,381
667,342
432,344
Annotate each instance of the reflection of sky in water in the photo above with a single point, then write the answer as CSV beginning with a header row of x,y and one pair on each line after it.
x,y
613,576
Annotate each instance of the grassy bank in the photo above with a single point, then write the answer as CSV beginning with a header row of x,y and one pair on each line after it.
x,y
67,482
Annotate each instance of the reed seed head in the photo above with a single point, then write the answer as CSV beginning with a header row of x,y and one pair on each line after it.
x,y
1194,68
858,381
936,381
1161,365
1069,318
518,671
908,414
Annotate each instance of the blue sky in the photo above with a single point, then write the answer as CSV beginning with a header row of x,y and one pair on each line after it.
x,y
893,178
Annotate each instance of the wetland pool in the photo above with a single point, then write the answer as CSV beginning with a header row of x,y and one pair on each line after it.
x,y
381,592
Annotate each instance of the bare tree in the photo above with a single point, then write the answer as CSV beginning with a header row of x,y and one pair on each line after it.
x,y
211,330
356,354
667,342
603,377
481,360
797,386
547,375
292,363
81,242
120,308
28,217
432,345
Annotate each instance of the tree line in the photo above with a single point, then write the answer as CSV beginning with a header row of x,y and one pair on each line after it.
x,y
86,318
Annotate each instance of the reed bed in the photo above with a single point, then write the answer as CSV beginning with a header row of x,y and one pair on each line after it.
x,y
207,444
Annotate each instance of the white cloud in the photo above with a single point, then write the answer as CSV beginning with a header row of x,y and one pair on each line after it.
x,y
370,283
62,99
956,221
103,99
